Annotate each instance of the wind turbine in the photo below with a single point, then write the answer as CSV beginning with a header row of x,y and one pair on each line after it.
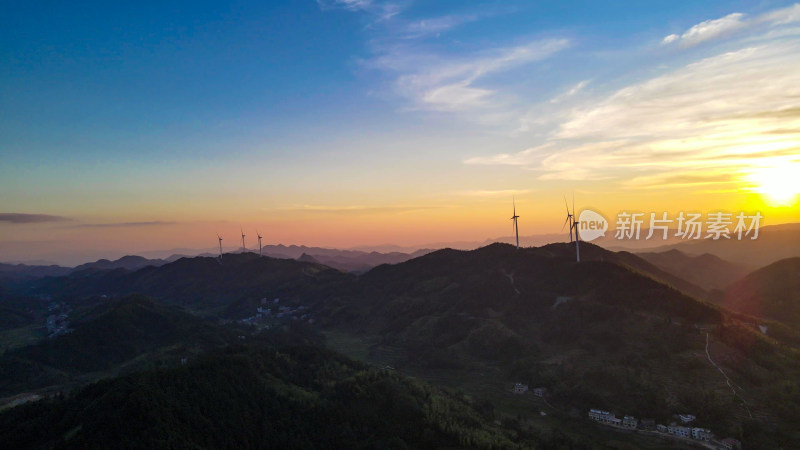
x,y
514,218
259,242
220,246
570,219
577,236
244,249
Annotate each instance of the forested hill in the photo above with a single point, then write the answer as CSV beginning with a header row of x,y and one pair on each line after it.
x,y
292,396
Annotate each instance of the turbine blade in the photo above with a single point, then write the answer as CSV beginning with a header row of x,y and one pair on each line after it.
x,y
565,224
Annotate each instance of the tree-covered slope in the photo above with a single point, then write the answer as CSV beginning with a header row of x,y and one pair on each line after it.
x,y
293,396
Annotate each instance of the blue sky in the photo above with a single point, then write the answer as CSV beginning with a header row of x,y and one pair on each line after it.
x,y
274,112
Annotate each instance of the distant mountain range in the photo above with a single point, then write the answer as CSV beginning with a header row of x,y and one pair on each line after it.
x,y
772,292
707,271
345,260
617,330
774,243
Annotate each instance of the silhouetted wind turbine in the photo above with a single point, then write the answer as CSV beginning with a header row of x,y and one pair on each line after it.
x,y
514,218
569,220
220,246
577,236
259,242
244,249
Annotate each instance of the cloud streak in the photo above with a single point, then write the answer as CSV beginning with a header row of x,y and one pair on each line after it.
x,y
706,123
452,84
357,209
379,10
154,223
710,29
436,25
732,23
429,78
495,192
18,218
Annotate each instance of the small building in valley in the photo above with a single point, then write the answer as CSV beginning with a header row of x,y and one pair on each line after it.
x,y
520,388
703,434
630,422
679,430
604,417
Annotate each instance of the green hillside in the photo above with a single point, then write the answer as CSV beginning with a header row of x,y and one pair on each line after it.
x,y
260,396
109,335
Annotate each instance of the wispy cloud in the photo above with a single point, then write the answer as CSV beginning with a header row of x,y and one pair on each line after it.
x,y
699,124
709,29
381,10
782,16
125,224
436,25
357,209
495,192
452,84
732,23
19,218
444,79
572,91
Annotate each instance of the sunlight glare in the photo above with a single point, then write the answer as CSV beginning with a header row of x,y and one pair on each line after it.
x,y
778,184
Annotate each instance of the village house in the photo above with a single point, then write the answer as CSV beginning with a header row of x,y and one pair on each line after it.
x,y
679,430
520,388
540,392
629,422
604,417
703,434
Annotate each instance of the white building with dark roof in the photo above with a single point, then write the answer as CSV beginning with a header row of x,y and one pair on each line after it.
x,y
520,388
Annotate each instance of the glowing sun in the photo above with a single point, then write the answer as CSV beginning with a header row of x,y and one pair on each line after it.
x,y
779,184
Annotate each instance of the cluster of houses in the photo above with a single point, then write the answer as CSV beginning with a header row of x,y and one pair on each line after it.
x,y
681,430
520,388
608,418
58,319
271,311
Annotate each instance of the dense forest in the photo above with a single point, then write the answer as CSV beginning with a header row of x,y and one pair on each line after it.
x,y
262,395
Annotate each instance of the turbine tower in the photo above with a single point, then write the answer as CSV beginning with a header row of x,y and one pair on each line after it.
x,y
514,218
570,219
220,246
259,242
244,249
575,224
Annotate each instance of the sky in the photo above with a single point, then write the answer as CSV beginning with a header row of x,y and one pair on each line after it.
x,y
129,127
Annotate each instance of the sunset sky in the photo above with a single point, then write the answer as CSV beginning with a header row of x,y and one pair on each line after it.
x,y
135,126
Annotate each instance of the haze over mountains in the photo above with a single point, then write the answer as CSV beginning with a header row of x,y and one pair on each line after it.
x,y
707,271
346,260
772,291
775,242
